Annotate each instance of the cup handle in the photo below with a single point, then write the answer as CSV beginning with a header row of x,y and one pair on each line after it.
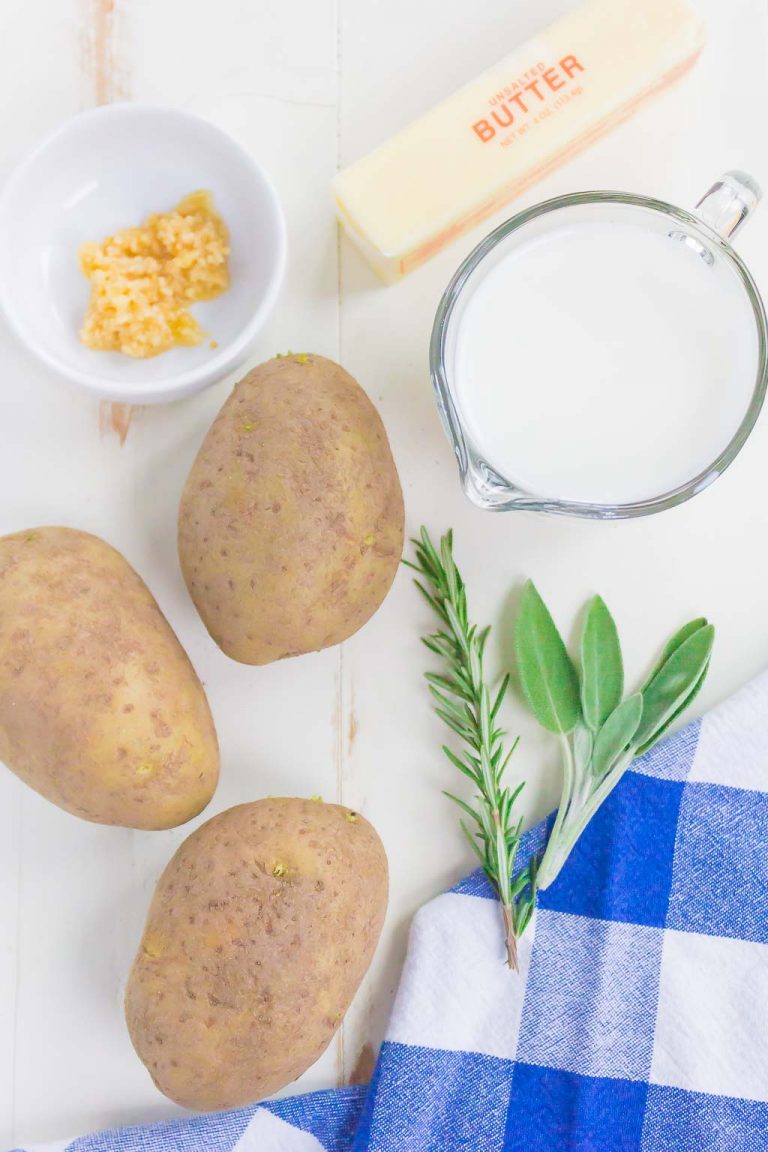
x,y
728,203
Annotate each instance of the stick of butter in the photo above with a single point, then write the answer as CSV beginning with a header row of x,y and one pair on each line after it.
x,y
474,152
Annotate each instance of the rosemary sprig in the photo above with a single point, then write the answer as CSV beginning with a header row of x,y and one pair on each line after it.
x,y
463,701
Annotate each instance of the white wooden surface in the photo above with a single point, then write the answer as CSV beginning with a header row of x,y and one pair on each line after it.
x,y
307,84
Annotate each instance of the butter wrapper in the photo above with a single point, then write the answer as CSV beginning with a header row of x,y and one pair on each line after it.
x,y
488,142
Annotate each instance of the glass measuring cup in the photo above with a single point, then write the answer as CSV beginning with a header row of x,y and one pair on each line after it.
x,y
492,483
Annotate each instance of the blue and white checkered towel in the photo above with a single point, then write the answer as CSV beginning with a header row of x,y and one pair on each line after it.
x,y
640,1020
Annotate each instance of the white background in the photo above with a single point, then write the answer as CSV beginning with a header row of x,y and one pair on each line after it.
x,y
309,84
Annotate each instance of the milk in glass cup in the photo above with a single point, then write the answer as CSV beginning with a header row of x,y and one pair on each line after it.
x,y
602,354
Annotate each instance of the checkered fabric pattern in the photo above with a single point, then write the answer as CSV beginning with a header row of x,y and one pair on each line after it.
x,y
639,1022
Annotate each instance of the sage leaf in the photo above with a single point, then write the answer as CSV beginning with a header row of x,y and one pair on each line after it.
x,y
646,747
602,668
583,744
547,675
673,644
670,688
616,734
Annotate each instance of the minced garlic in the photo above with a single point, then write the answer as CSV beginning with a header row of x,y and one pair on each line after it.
x,y
143,279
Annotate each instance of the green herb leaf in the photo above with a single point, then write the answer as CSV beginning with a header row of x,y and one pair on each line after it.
x,y
466,766
473,843
547,675
685,704
616,734
583,744
464,807
673,644
602,669
673,684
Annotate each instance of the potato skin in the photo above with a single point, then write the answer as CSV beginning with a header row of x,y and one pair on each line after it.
x,y
100,709
261,928
291,521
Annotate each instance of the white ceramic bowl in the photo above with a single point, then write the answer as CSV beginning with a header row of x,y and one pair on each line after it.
x,y
107,169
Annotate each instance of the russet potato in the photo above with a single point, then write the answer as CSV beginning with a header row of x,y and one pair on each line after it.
x,y
100,709
291,521
261,928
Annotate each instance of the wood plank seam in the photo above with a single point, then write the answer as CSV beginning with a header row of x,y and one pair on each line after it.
x,y
340,712
108,75
17,972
